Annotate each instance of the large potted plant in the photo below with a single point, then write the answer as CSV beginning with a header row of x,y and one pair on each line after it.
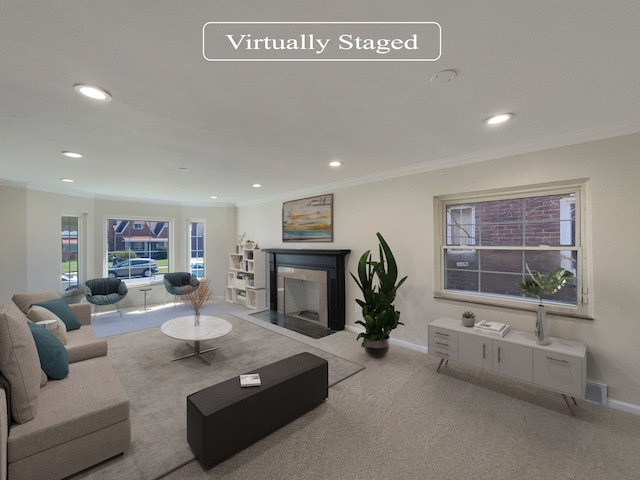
x,y
540,284
377,279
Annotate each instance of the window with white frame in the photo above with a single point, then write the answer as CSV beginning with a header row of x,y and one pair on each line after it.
x,y
70,255
539,227
461,228
137,250
196,248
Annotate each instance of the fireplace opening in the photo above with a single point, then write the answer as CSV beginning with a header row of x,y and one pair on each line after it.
x,y
302,299
303,293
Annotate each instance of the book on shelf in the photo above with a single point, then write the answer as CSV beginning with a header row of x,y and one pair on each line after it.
x,y
493,328
250,380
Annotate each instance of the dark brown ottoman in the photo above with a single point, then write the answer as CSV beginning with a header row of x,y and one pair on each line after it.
x,y
225,418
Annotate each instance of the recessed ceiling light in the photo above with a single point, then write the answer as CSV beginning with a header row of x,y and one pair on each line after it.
x,y
256,185
335,163
92,92
496,119
213,197
67,180
72,154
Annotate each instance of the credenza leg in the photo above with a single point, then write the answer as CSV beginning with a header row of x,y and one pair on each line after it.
x,y
566,400
442,360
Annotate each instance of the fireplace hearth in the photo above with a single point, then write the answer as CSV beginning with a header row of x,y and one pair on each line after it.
x,y
327,267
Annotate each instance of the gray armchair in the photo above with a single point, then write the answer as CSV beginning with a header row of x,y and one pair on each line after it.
x,y
105,291
180,283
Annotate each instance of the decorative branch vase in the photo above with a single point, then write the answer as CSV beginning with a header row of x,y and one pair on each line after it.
x,y
542,337
196,318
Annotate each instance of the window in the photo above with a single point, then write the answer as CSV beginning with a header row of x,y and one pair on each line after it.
x,y
461,228
196,249
540,228
137,250
70,226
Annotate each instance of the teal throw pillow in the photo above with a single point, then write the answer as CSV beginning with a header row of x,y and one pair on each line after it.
x,y
54,358
60,307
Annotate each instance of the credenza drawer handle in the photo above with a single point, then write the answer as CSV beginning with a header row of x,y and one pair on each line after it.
x,y
441,344
441,353
442,334
557,360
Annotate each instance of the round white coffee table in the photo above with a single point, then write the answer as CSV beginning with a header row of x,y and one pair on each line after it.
x,y
183,328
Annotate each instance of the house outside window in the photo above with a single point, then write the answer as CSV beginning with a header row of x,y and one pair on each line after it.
x,y
540,228
70,253
137,250
196,248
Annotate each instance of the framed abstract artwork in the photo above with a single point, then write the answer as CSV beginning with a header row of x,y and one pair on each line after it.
x,y
308,219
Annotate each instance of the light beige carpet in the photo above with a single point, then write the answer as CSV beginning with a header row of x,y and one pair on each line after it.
x,y
158,388
400,420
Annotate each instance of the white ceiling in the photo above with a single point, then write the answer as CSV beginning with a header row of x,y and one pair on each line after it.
x,y
569,71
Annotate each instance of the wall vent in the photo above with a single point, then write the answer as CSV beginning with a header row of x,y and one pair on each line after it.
x,y
596,393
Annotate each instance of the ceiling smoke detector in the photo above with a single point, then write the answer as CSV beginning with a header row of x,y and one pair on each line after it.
x,y
445,76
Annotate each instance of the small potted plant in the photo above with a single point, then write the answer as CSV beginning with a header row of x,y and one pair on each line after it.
x,y
468,318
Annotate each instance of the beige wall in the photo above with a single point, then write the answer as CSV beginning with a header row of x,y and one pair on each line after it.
x,y
402,210
30,261
13,238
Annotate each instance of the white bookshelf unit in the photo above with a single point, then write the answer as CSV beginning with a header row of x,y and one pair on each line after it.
x,y
561,366
246,277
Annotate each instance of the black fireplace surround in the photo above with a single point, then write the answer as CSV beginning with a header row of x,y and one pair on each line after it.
x,y
330,261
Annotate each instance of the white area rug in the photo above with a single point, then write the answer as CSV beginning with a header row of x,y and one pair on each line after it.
x,y
158,388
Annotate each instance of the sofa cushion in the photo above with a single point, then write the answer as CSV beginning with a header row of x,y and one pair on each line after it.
x,y
82,311
60,307
90,399
54,358
39,314
19,362
83,344
25,300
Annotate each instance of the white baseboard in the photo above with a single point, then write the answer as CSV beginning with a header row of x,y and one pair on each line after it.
x,y
393,341
624,406
412,346
611,403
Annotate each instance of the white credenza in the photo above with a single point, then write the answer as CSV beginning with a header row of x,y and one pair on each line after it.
x,y
561,366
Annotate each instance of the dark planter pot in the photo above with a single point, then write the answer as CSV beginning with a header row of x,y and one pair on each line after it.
x,y
377,348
